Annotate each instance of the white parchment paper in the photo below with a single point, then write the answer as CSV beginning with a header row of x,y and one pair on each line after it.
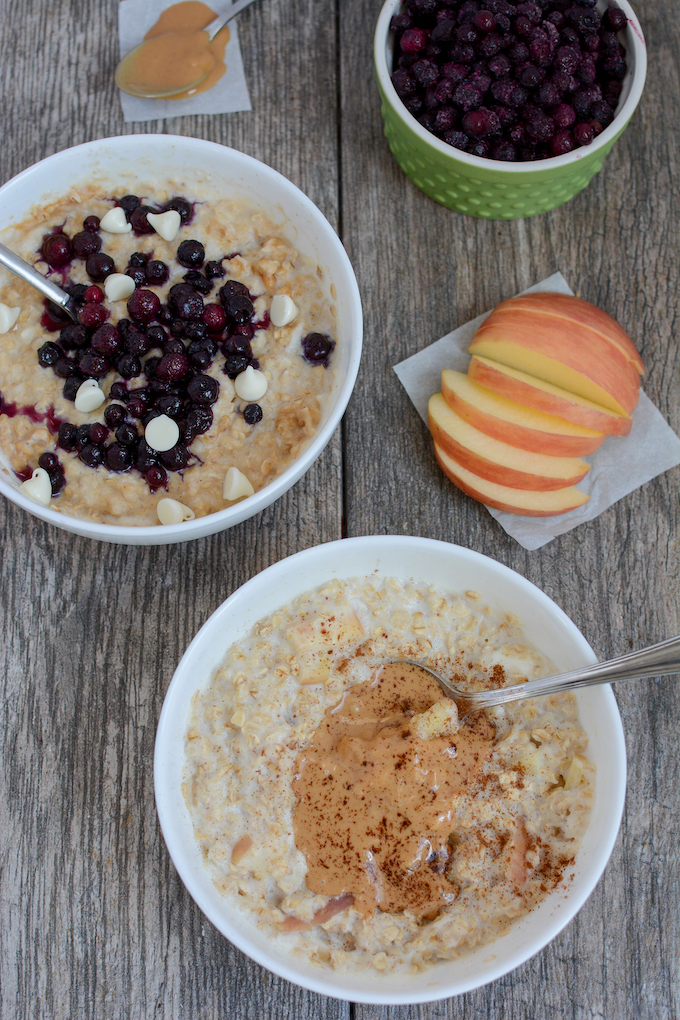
x,y
618,467
135,18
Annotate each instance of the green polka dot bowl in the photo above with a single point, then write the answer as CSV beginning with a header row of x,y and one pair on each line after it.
x,y
488,188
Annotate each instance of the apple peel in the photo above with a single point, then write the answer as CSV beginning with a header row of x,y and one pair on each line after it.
x,y
524,502
498,461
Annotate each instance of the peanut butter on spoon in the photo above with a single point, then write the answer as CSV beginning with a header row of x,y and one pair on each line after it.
x,y
182,54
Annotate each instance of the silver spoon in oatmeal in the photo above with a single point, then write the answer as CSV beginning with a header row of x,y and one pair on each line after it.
x,y
30,275
660,658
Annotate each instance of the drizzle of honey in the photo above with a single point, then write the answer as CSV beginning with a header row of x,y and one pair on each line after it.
x,y
176,52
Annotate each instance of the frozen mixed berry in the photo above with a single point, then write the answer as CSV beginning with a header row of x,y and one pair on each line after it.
x,y
198,281
317,348
191,254
136,341
201,353
67,436
93,295
139,221
196,423
203,389
145,457
77,292
156,477
56,250
128,204
71,387
172,367
92,315
99,266
92,455
49,354
234,364
157,272
93,365
181,206
127,434
86,243
118,457
176,458
106,340
186,303
170,404
114,415
215,270
91,223
143,306
157,336
50,462
139,259
252,414
137,274
128,366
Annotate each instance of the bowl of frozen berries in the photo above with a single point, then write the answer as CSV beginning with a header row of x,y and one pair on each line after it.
x,y
503,109
216,343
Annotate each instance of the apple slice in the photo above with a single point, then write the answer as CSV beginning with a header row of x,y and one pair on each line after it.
x,y
496,461
582,313
543,396
551,349
514,423
527,502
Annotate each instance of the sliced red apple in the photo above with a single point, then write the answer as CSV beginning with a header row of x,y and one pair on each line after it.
x,y
527,502
583,313
496,461
515,423
543,396
551,349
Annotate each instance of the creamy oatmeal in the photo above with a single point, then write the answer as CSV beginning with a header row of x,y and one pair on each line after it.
x,y
201,315
340,803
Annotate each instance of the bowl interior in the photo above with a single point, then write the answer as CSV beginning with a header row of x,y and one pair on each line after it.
x,y
123,164
456,569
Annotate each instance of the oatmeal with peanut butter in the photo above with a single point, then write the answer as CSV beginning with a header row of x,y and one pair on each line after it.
x,y
340,802
199,368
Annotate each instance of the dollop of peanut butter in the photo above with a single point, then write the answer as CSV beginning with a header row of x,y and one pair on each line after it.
x,y
374,805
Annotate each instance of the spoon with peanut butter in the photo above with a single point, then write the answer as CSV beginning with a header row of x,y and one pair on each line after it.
x,y
657,659
181,55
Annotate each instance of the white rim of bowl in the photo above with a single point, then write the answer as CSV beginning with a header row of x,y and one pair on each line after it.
x,y
221,520
165,751
637,47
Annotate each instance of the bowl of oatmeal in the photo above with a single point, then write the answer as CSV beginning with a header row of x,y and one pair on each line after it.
x,y
217,340
329,814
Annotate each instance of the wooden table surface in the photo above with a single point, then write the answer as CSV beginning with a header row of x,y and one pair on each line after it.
x,y
94,922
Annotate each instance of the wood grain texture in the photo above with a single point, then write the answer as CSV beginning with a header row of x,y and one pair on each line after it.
x,y
94,922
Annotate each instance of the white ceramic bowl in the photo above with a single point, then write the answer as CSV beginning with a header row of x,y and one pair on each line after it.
x,y
127,160
457,569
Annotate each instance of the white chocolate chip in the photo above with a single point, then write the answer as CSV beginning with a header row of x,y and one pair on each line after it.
x,y
283,310
162,433
38,487
236,485
171,511
115,222
8,316
118,286
89,396
251,384
166,224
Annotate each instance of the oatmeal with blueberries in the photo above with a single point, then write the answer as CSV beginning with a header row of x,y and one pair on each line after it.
x,y
341,804
506,80
200,366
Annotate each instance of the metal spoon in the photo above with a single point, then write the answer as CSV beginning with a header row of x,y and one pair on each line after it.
x,y
212,29
26,272
660,658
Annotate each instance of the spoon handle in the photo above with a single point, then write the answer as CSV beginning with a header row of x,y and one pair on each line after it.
x,y
221,20
25,272
661,658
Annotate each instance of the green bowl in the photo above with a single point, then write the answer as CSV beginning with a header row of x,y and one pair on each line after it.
x,y
488,188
